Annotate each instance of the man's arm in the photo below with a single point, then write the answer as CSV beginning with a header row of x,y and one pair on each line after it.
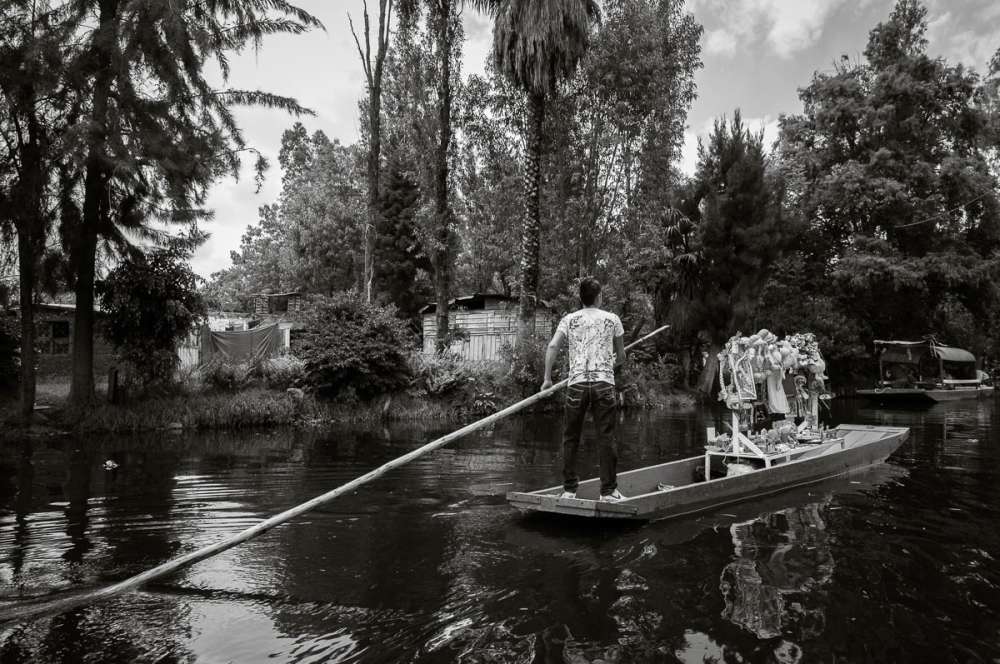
x,y
619,351
551,352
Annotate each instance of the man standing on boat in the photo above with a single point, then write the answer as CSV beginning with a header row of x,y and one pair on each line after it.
x,y
596,348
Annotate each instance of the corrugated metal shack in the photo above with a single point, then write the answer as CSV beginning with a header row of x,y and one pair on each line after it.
x,y
488,319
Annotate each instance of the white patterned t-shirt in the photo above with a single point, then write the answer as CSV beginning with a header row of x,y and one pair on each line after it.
x,y
590,334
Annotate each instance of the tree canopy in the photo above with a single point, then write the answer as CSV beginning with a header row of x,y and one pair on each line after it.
x,y
888,164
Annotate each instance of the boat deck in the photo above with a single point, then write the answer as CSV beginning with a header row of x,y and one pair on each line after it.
x,y
678,487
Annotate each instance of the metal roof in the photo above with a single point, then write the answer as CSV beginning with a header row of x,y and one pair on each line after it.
x,y
950,354
476,301
946,353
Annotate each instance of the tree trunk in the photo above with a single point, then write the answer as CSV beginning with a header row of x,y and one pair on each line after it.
x,y
26,265
442,212
96,208
374,185
373,73
30,224
532,216
711,369
686,368
85,255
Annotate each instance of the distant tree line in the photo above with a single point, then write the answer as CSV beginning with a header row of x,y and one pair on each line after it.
x,y
875,214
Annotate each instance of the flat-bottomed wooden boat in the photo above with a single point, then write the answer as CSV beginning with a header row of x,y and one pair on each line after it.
x,y
678,488
897,395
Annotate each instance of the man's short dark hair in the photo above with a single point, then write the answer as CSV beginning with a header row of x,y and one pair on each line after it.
x,y
590,288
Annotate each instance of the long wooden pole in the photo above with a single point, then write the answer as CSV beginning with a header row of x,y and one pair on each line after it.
x,y
25,611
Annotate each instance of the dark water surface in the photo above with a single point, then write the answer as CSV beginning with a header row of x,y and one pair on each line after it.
x,y
428,564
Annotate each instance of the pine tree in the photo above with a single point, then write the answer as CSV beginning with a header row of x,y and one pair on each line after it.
x,y
722,250
398,249
34,113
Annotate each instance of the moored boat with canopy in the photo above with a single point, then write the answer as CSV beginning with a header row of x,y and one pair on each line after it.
x,y
926,371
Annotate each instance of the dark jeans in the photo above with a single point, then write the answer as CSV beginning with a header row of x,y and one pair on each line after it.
x,y
601,400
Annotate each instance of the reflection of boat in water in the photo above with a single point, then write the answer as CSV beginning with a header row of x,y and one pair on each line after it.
x,y
851,447
780,559
925,372
624,572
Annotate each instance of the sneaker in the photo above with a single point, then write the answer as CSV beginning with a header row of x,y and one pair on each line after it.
x,y
613,497
567,494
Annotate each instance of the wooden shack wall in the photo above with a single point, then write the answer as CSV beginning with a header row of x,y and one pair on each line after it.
x,y
60,364
488,330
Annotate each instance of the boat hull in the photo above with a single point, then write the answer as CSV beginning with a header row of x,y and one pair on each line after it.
x,y
916,395
860,447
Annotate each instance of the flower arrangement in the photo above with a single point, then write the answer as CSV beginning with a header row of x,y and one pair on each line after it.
x,y
746,361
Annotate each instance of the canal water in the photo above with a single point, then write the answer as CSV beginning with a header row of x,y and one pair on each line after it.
x,y
428,564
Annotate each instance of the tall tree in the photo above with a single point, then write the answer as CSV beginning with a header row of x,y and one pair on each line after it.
x,y
490,182
423,79
730,230
537,44
447,27
34,41
373,64
403,261
156,134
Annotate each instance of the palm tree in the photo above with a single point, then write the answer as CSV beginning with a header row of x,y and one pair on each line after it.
x,y
537,44
155,133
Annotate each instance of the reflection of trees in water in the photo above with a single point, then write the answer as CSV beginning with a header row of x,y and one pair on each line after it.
x,y
70,474
781,560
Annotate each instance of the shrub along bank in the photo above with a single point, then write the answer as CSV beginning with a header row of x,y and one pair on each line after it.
x,y
353,361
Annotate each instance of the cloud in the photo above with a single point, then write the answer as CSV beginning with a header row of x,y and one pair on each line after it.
x,y
968,36
235,204
785,26
721,41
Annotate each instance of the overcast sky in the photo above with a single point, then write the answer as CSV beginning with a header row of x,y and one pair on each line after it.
x,y
757,53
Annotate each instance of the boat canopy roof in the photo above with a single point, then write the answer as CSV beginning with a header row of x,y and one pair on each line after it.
x,y
913,351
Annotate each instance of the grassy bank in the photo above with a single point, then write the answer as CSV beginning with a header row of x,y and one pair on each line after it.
x,y
441,389
250,408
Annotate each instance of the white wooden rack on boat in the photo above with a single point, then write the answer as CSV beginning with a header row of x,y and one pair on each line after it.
x,y
744,448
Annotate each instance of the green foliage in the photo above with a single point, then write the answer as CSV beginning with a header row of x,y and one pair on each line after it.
x,y
152,304
526,363
889,163
403,265
490,179
254,407
611,137
280,373
647,379
311,239
322,209
538,43
227,376
353,348
10,352
141,133
707,261
276,373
